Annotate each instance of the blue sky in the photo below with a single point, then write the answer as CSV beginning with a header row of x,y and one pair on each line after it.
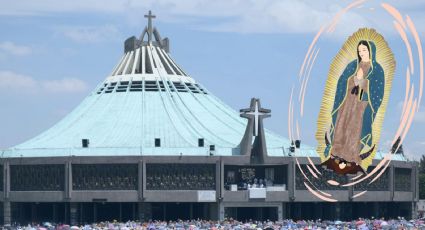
x,y
52,54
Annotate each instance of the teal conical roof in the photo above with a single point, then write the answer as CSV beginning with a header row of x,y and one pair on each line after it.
x,y
147,106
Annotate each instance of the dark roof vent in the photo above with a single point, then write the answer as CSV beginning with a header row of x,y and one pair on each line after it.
x,y
85,143
201,142
157,142
297,144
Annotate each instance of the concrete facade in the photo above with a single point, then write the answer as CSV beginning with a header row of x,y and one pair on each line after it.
x,y
284,204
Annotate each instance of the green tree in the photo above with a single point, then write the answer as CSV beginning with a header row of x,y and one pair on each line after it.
x,y
422,165
421,186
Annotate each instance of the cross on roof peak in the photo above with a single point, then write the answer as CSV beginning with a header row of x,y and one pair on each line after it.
x,y
150,30
150,15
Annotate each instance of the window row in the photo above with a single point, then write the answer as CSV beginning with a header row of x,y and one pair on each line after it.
x,y
132,86
51,177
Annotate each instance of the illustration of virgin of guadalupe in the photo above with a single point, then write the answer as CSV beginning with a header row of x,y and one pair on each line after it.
x,y
352,130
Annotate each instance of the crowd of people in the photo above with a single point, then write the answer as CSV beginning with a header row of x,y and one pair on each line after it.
x,y
362,224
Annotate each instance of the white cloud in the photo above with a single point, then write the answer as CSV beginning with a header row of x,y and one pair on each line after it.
x,y
14,49
14,82
91,34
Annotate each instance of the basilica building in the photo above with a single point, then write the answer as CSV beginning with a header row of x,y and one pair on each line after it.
x,y
152,143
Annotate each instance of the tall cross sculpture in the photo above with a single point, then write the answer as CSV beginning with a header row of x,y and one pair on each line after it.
x,y
255,115
150,31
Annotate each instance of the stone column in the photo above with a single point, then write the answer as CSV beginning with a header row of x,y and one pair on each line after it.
x,y
69,216
280,212
7,215
291,180
140,181
220,205
218,180
143,165
220,211
350,190
414,210
68,181
284,212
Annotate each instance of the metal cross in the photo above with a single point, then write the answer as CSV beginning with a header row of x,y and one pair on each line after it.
x,y
150,16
